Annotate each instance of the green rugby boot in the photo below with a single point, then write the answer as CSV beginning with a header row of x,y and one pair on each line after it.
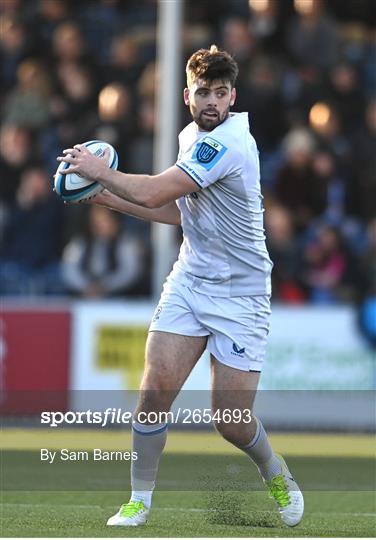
x,y
286,493
132,514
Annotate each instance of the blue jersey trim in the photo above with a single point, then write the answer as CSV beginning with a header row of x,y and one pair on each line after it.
x,y
190,176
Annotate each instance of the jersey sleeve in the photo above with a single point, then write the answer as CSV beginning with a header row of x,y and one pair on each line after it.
x,y
209,160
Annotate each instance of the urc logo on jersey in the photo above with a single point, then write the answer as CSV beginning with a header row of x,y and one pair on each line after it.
x,y
206,153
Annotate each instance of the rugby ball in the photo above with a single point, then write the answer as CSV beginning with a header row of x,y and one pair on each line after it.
x,y
74,187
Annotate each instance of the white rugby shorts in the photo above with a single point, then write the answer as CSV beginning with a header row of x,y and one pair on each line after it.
x,y
237,327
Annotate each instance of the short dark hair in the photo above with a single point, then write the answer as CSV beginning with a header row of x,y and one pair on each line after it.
x,y
210,65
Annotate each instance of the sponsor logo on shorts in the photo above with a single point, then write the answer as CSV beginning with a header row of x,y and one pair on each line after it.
x,y
237,351
157,313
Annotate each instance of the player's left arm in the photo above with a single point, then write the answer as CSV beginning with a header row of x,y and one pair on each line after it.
x,y
150,191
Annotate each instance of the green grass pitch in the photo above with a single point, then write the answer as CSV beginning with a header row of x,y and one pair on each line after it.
x,y
185,514
200,494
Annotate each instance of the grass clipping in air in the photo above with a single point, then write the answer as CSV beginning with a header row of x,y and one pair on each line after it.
x,y
234,509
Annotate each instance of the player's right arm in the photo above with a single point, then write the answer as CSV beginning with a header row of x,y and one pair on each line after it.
x,y
169,213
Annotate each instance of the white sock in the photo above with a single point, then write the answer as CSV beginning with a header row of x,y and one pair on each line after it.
x,y
144,496
148,443
261,453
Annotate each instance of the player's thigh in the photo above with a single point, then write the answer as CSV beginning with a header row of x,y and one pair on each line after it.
x,y
232,388
169,360
233,394
175,342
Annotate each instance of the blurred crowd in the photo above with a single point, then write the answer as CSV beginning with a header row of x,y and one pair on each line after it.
x,y
73,71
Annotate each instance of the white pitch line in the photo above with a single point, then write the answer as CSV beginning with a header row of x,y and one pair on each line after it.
x,y
175,509
272,512
250,488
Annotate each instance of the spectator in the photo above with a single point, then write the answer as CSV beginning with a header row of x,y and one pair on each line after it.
x,y
73,107
101,21
362,190
345,92
48,16
325,263
266,25
115,123
284,252
124,64
27,104
312,36
293,184
15,46
69,48
238,39
141,149
106,261
31,245
264,103
11,6
327,197
148,82
15,153
327,126
68,43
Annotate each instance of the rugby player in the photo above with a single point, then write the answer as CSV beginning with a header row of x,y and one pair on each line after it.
x,y
217,296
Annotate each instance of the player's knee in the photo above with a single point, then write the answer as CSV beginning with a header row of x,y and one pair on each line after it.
x,y
237,434
152,385
226,430
154,398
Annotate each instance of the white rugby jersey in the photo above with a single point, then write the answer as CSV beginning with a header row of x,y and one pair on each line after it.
x,y
223,252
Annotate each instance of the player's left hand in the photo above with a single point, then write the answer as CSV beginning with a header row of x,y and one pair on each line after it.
x,y
85,163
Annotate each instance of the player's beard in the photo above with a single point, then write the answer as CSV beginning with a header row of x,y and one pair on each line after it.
x,y
208,124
